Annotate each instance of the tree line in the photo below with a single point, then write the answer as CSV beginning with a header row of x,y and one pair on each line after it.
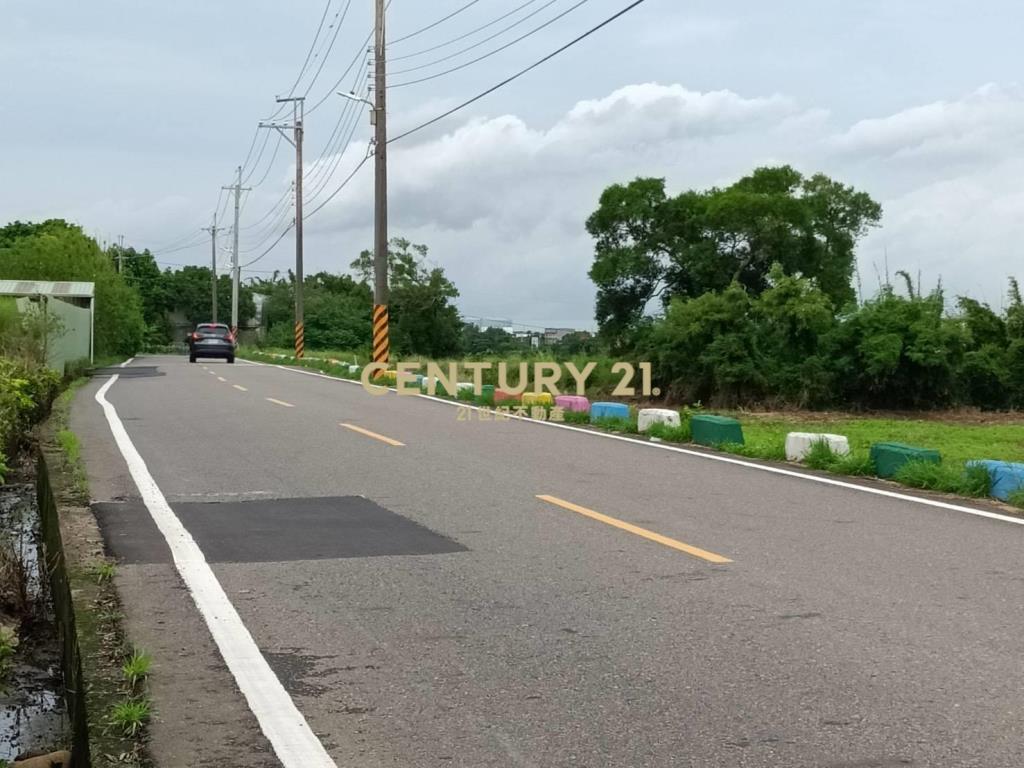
x,y
746,295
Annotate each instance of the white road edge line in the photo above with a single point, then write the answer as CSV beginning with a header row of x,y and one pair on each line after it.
x,y
294,743
701,455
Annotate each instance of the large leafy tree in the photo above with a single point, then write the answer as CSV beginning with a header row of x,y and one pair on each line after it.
x,y
424,319
649,245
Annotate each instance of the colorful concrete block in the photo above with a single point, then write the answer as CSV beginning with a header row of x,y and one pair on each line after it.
x,y
538,398
487,393
648,417
599,411
713,430
1005,477
889,458
798,444
576,403
501,396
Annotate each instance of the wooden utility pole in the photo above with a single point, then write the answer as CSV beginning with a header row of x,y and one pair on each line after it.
x,y
212,229
298,117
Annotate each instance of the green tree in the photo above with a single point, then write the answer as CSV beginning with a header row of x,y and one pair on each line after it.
x,y
57,250
705,349
650,246
189,290
423,318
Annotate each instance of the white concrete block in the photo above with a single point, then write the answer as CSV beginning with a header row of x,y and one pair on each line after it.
x,y
798,444
650,416
465,386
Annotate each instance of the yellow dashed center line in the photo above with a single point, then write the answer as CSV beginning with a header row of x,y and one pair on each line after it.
x,y
278,402
374,435
711,557
239,387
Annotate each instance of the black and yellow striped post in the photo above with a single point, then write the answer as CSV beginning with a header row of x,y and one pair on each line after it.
x,y
300,340
381,345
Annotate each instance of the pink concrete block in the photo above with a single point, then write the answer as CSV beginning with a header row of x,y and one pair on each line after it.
x,y
573,403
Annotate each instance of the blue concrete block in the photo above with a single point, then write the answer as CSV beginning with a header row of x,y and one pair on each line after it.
x,y
1006,477
600,411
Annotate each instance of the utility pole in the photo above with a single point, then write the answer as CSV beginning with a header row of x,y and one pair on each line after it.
x,y
237,189
298,118
212,229
381,345
120,254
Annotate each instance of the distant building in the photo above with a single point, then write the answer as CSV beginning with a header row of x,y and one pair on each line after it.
x,y
555,335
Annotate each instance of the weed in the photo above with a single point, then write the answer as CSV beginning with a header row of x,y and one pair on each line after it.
x,y
68,441
577,417
617,425
104,572
680,434
136,668
858,465
946,478
757,449
130,716
1017,498
820,455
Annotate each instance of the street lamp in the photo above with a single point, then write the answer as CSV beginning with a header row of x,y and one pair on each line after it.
x,y
373,107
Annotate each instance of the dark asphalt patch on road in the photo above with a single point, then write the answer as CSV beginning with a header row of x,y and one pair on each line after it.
x,y
272,530
134,372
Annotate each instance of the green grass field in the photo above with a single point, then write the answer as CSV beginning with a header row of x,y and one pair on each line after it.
x,y
958,441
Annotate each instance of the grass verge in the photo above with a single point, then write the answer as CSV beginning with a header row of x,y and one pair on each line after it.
x,y
765,437
115,708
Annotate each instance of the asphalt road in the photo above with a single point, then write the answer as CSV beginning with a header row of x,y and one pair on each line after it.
x,y
423,607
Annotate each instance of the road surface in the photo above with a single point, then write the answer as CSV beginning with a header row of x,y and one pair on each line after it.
x,y
420,604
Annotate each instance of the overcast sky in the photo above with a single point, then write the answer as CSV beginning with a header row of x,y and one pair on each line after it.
x,y
127,118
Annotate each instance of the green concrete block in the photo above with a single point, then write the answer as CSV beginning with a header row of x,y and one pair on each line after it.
x,y
487,393
889,458
715,430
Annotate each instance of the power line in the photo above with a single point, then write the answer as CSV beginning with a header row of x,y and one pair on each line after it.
x,y
436,23
256,164
340,187
309,53
270,166
477,44
464,36
273,245
470,63
330,48
273,208
201,241
518,74
337,83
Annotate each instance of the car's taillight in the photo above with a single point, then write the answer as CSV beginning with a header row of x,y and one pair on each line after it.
x,y
196,337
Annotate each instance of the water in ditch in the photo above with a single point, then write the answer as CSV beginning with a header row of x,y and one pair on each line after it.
x,y
32,710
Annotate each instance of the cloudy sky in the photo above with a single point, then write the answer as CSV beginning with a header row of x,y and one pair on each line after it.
x,y
128,117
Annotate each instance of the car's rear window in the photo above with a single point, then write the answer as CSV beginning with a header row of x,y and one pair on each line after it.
x,y
212,330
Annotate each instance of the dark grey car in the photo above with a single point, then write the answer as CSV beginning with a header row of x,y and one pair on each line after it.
x,y
211,340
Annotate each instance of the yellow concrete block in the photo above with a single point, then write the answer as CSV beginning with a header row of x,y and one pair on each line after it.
x,y
538,398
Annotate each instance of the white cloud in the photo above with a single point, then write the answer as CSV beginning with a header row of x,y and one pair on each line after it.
x,y
502,202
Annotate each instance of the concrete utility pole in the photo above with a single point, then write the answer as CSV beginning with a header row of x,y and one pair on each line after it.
x,y
120,254
298,118
212,229
237,189
381,345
